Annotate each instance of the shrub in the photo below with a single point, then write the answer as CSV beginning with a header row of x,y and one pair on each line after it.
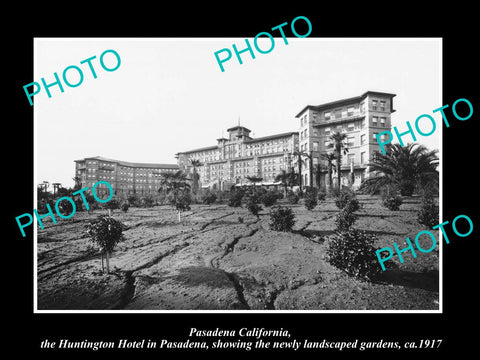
x,y
65,207
345,218
353,252
292,198
252,205
113,204
208,198
132,199
392,202
347,196
147,201
279,194
236,198
240,220
428,213
321,195
125,207
282,219
268,198
310,198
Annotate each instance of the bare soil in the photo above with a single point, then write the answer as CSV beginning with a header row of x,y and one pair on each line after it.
x,y
213,261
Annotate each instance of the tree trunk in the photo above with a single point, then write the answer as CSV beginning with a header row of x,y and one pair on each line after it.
x,y
103,267
310,170
110,212
107,258
179,216
339,172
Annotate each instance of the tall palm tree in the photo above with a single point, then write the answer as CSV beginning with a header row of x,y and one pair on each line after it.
x,y
195,164
329,157
339,147
406,168
299,155
310,167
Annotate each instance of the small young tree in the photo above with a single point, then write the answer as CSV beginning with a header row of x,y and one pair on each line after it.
x,y
105,232
111,205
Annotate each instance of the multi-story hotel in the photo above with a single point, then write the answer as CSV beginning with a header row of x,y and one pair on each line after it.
x,y
360,118
124,177
233,159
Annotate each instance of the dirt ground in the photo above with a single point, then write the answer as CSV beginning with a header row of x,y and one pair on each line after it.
x,y
213,261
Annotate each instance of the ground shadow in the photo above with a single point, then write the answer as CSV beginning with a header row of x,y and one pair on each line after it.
x,y
381,232
423,280
315,233
375,216
193,276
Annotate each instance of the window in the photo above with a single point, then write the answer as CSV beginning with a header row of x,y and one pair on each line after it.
x,y
374,135
327,115
374,104
344,113
362,107
351,158
327,131
382,105
351,140
362,139
362,157
327,144
350,111
315,132
375,120
382,121
350,126
315,161
315,146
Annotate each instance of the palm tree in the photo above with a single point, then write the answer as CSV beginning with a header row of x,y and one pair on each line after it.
x,y
299,155
406,168
339,147
284,178
310,167
175,185
78,183
195,164
329,157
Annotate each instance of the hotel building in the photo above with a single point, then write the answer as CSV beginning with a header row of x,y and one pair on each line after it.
x,y
238,156
124,177
360,118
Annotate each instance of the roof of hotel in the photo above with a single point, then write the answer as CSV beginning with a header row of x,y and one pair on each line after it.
x,y
276,136
343,101
132,164
238,127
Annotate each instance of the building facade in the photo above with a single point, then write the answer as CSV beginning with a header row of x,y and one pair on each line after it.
x,y
234,158
360,118
124,177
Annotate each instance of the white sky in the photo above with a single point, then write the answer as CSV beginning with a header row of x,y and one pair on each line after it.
x,y
169,95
